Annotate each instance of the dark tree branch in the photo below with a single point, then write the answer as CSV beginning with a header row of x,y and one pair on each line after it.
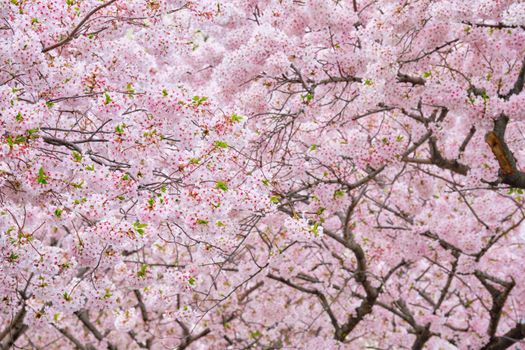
x,y
404,78
76,30
18,319
250,290
507,340
188,338
65,332
450,277
142,306
317,293
360,276
465,143
422,333
426,54
518,85
84,318
509,172
58,142
14,330
495,26
499,298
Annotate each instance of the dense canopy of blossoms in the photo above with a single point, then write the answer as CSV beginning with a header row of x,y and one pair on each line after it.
x,y
278,174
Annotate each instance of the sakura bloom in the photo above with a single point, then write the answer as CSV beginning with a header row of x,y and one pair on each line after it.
x,y
262,174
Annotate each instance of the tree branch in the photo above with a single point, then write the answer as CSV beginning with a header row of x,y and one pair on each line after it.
x,y
75,31
499,297
14,330
508,339
509,172
188,338
317,293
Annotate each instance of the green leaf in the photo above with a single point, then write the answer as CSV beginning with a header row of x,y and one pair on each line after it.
x,y
83,200
427,74
307,98
275,199
194,161
31,132
192,281
513,190
236,118
142,272
58,212
15,140
42,177
202,222
19,117
67,296
12,257
77,156
221,144
198,100
255,334
151,202
164,92
339,193
119,129
130,89
107,294
107,98
369,82
78,185
139,227
221,185
315,229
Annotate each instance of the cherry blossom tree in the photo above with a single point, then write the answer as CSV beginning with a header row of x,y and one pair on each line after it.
x,y
262,174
